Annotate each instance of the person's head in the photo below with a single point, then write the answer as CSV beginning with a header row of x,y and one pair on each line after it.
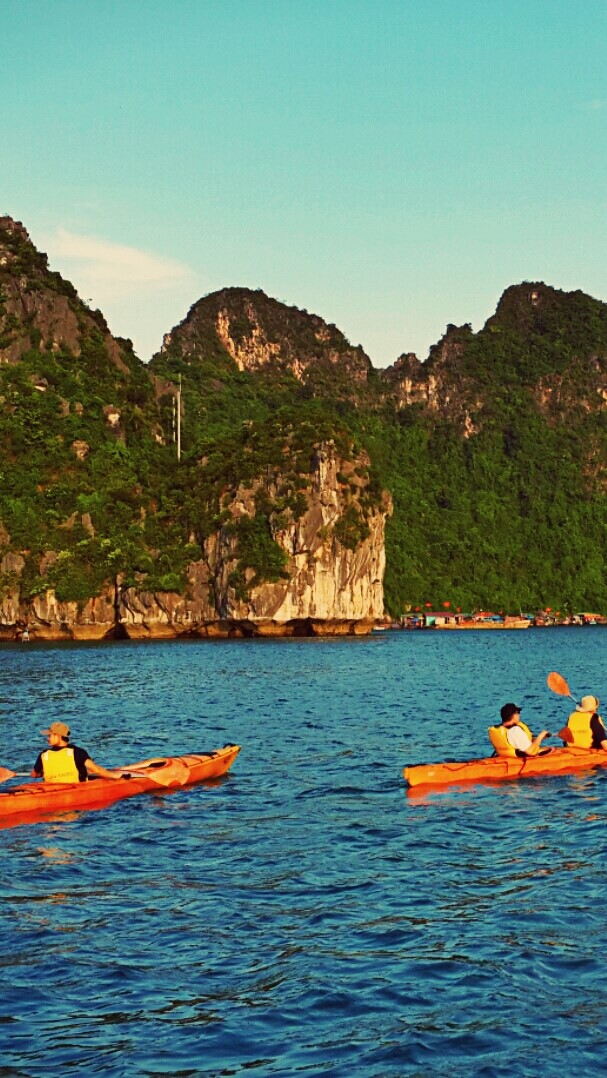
x,y
58,734
510,714
588,705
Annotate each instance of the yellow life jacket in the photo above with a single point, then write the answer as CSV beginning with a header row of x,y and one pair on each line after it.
x,y
579,724
498,736
58,765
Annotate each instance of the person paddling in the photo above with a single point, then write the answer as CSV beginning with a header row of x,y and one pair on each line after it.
x,y
585,726
519,735
64,762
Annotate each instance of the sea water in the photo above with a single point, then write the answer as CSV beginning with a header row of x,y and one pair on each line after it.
x,y
305,914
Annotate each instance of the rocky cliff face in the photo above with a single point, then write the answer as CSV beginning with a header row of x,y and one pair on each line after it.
x,y
38,308
96,426
330,585
259,333
66,352
552,343
441,387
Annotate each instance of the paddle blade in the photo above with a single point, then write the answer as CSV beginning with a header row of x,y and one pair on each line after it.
x,y
557,683
174,774
6,773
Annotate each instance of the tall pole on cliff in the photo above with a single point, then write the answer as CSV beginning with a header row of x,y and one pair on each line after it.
x,y
179,420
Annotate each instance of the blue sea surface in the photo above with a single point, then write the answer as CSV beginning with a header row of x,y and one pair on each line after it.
x,y
305,914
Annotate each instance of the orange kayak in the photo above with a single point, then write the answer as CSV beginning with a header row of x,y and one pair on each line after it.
x,y
37,799
496,768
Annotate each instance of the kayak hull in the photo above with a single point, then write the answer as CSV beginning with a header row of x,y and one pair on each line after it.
x,y
498,768
35,799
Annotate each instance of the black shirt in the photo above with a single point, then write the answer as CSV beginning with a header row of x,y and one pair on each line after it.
x,y
598,731
80,758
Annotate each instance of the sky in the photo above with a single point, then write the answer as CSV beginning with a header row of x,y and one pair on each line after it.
x,y
389,165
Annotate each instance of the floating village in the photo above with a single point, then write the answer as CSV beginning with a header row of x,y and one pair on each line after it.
x,y
486,619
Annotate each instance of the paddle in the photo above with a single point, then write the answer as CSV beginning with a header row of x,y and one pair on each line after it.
x,y
557,683
174,774
6,774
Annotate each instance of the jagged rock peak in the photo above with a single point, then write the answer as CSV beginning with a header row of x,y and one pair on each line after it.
x,y
450,347
429,383
407,365
13,228
535,307
40,309
17,252
257,331
519,302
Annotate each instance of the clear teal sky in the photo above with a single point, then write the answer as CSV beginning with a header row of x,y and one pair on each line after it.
x,y
391,166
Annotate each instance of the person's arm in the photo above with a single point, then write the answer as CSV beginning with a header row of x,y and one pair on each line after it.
x,y
599,733
518,738
102,772
536,744
37,771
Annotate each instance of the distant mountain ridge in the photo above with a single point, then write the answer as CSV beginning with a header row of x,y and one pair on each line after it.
x,y
491,457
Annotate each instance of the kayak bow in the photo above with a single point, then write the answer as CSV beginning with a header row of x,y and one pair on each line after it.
x,y
36,799
497,768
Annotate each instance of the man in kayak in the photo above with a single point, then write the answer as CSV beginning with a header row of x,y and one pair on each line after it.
x,y
585,726
519,735
63,762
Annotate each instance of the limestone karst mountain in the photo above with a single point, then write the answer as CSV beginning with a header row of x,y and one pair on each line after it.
x,y
101,534
477,477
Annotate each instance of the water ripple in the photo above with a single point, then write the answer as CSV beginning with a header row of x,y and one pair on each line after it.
x,y
304,915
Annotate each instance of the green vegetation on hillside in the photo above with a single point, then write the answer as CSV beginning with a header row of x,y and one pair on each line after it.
x,y
498,494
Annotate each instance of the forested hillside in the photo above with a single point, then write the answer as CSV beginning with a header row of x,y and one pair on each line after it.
x,y
499,476
494,450
87,485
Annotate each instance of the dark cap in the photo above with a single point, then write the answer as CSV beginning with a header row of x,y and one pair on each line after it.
x,y
508,711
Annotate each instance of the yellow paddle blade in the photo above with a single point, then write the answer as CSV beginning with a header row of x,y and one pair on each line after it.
x,y
557,683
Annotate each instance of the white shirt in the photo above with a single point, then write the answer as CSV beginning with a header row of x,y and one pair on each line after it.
x,y
518,738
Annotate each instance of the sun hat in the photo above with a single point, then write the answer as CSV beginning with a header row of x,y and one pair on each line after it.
x,y
588,703
508,711
59,728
